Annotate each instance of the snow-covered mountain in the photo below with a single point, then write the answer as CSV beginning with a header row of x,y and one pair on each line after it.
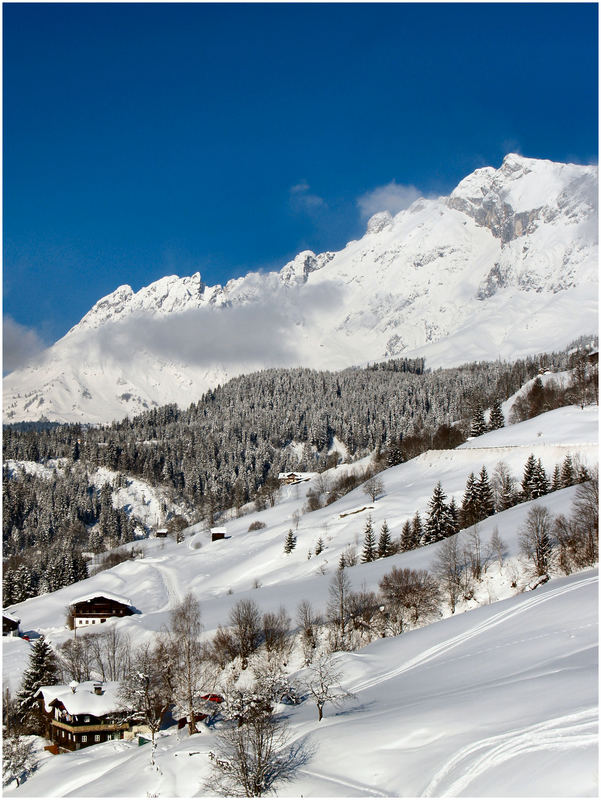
x,y
504,266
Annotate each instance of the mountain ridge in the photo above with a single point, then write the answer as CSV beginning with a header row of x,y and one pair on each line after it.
x,y
506,265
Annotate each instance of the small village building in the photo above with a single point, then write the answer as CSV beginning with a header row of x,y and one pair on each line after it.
x,y
95,608
10,624
82,714
217,533
161,533
290,478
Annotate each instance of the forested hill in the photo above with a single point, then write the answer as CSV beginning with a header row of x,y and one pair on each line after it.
x,y
222,449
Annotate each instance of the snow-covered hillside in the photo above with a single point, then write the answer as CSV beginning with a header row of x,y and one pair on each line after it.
x,y
500,700
504,266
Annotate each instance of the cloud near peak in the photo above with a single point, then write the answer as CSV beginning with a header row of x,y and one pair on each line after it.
x,y
393,197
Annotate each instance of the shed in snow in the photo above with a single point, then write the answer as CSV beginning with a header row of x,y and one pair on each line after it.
x,y
98,607
161,533
10,624
217,533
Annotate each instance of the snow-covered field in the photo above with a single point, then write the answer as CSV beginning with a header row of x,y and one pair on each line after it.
x,y
498,701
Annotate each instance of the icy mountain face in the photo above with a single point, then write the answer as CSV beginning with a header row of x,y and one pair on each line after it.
x,y
504,266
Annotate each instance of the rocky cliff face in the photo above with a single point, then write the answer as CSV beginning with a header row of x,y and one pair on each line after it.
x,y
504,266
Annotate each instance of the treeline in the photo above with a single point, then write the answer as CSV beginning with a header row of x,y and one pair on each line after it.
x,y
219,452
48,522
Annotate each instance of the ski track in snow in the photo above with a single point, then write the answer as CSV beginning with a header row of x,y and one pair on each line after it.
x,y
360,787
559,733
444,647
174,595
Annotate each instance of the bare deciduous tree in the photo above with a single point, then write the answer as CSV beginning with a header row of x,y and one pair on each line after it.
x,y
449,567
186,654
146,691
17,758
373,487
535,539
245,626
252,759
338,609
276,632
308,621
409,595
324,683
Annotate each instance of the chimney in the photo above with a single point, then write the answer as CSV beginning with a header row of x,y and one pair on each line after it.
x,y
97,688
73,686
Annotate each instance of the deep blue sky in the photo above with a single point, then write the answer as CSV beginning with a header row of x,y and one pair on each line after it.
x,y
145,140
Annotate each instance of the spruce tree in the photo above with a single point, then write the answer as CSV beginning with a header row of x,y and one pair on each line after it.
x,y
478,426
469,506
319,546
484,495
567,472
529,478
290,542
439,520
369,543
541,482
454,517
385,541
417,530
41,671
497,420
556,480
407,541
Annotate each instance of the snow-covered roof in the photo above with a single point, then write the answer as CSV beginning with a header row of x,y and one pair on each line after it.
x,y
83,700
218,530
11,617
102,593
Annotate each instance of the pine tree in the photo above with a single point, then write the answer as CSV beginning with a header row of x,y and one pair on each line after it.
x,y
484,496
567,472
417,530
556,480
529,478
454,516
290,542
541,482
369,543
41,671
478,426
319,546
497,420
439,520
407,541
385,541
469,506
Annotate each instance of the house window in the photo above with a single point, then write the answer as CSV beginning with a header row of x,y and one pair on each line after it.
x,y
84,738
86,719
102,620
96,737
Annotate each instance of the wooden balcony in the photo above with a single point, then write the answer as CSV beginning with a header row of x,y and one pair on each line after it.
x,y
97,728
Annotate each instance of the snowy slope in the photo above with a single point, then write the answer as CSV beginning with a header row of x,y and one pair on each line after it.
x,y
501,700
498,702
213,570
504,266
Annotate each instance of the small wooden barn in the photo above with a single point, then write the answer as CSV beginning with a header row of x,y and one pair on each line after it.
x,y
217,533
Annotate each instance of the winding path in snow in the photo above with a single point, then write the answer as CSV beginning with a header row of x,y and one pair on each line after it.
x,y
482,627
360,787
559,733
169,578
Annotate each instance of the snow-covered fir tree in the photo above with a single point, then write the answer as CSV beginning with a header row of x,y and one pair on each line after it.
x,y
438,522
370,551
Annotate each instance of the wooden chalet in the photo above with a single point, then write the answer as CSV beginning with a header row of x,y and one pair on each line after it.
x,y
291,478
97,608
161,533
217,533
82,714
10,624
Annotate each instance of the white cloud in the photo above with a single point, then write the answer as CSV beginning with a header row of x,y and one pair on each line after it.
x,y
19,345
304,201
393,197
256,333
